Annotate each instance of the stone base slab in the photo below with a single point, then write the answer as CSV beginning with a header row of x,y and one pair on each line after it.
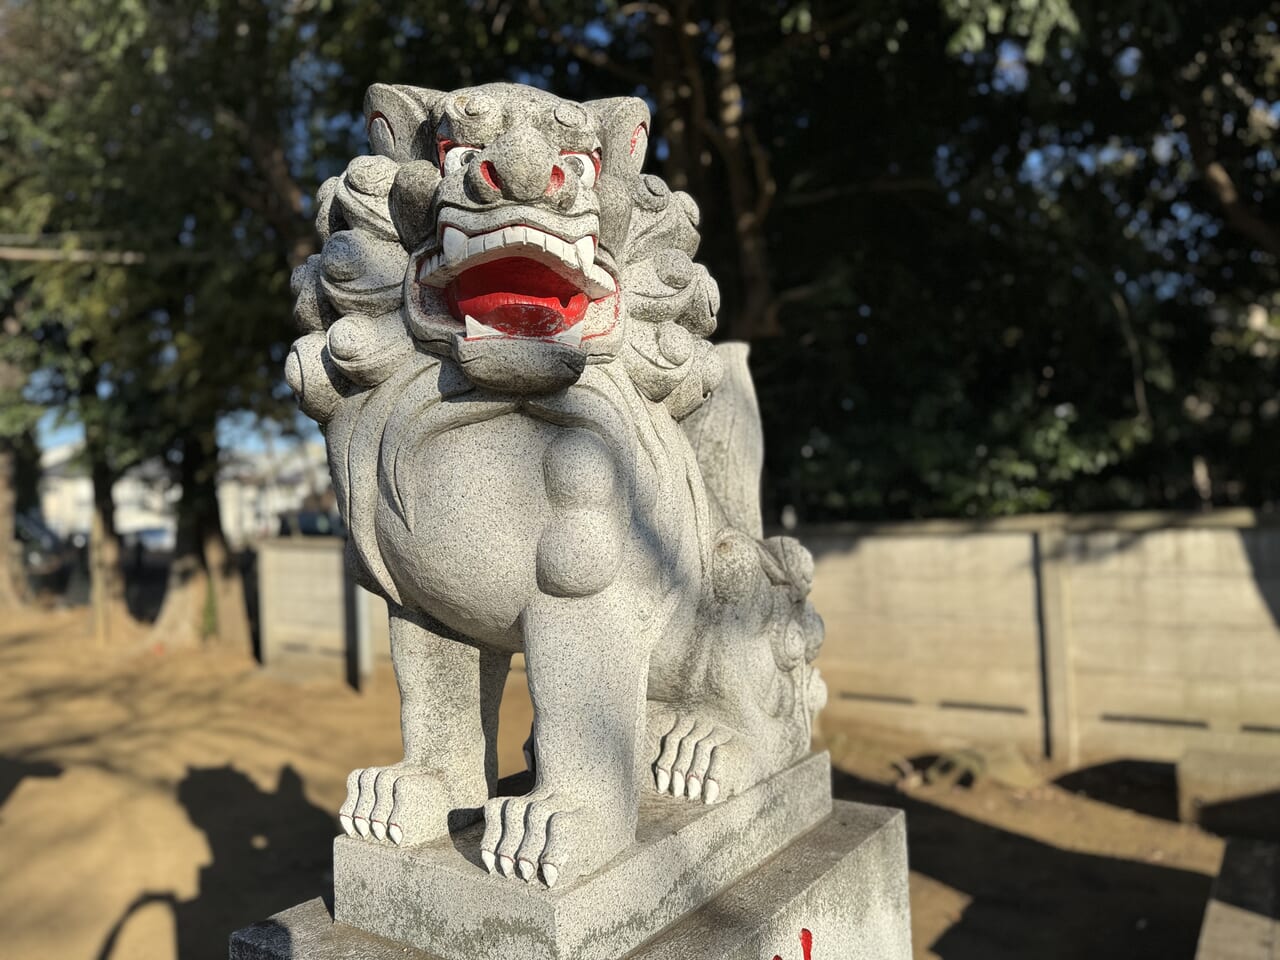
x,y
1242,920
841,887
439,898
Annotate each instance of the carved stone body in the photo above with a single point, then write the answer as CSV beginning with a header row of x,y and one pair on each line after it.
x,y
535,450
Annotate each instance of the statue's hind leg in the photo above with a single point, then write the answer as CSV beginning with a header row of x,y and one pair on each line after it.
x,y
449,697
737,706
699,757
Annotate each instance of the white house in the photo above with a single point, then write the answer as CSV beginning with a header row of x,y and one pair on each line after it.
x,y
253,490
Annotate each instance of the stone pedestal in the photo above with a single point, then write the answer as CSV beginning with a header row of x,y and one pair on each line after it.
x,y
1242,920
840,887
447,904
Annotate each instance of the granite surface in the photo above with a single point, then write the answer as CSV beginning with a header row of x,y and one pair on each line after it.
x,y
840,887
439,898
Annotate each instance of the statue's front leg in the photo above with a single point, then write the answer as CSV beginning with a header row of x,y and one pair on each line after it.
x,y
449,697
587,674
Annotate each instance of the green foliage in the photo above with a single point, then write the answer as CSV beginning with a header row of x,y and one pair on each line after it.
x,y
1031,294
1033,21
998,255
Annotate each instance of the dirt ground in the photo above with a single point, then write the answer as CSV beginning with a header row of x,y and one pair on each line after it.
x,y
151,802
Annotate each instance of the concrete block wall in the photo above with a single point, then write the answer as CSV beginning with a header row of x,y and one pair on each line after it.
x,y
931,632
1139,635
313,620
1173,640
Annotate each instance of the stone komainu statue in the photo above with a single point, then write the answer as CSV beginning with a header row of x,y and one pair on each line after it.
x,y
536,451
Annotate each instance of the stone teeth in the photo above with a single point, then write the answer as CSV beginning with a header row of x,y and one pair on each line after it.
x,y
572,336
598,276
455,245
456,249
433,270
477,330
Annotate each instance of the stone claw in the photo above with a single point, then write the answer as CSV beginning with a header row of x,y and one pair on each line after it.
x,y
401,803
696,755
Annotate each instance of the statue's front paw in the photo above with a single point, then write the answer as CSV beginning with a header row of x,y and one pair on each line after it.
x,y
551,834
404,803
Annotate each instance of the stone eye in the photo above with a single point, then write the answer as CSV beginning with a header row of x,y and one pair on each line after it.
x,y
585,165
458,157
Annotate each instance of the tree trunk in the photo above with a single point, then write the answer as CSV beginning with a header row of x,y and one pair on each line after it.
x,y
204,603
11,596
10,562
750,186
106,576
697,116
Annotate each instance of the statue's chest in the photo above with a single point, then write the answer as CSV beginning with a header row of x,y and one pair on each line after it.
x,y
498,510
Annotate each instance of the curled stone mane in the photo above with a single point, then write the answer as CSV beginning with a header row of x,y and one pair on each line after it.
x,y
350,304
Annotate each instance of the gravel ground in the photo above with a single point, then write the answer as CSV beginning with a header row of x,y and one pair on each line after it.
x,y
153,801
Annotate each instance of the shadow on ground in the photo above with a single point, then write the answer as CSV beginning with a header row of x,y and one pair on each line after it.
x,y
272,850
1142,786
1256,816
1031,899
14,771
269,851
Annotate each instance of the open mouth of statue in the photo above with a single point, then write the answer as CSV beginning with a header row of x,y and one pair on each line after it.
x,y
517,297
517,282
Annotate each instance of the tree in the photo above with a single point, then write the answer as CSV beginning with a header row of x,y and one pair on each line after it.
x,y
995,256
175,148
10,386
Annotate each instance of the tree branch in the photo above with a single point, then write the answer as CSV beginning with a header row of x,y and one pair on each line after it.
x,y
879,185
595,57
1239,215
50,254
269,159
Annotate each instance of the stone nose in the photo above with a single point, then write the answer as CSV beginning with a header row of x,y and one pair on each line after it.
x,y
522,165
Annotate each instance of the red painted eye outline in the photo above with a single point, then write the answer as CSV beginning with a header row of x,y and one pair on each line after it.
x,y
442,147
452,156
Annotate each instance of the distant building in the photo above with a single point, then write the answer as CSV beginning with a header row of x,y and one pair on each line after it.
x,y
253,490
144,498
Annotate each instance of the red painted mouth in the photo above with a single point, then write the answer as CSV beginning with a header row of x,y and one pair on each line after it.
x,y
518,296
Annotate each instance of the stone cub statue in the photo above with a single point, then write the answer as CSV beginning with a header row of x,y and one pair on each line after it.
x,y
536,451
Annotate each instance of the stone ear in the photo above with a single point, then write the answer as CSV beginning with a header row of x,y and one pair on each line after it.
x,y
624,125
396,119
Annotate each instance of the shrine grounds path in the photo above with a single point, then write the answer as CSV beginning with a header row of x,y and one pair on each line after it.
x,y
152,801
